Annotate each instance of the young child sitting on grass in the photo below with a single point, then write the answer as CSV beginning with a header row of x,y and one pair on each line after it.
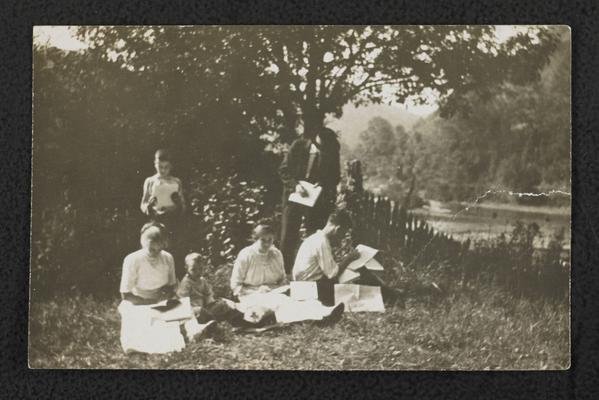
x,y
195,286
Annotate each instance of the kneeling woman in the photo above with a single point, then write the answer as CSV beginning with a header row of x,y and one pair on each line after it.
x,y
258,270
148,277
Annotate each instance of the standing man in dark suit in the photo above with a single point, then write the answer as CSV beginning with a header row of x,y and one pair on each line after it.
x,y
314,159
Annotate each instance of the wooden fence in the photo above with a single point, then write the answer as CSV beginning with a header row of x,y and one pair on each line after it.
x,y
387,225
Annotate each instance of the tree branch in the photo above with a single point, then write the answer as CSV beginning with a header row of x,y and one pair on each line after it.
x,y
365,85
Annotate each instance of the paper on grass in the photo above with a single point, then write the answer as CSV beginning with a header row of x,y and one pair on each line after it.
x,y
366,254
360,298
181,312
303,290
310,199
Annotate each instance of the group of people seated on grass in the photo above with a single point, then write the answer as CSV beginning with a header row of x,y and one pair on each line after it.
x,y
260,272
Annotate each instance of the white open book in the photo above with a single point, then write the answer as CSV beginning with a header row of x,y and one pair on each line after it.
x,y
310,199
163,191
366,259
179,312
348,276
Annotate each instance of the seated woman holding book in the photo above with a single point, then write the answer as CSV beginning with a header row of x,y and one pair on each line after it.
x,y
148,277
259,282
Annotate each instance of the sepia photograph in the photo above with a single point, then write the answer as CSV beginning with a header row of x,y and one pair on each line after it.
x,y
301,197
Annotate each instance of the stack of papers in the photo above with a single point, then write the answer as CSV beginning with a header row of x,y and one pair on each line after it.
x,y
360,298
366,259
310,199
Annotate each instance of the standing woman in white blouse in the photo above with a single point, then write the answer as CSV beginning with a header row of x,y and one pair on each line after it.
x,y
259,267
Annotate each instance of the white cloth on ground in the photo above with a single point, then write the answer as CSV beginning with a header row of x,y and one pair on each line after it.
x,y
286,309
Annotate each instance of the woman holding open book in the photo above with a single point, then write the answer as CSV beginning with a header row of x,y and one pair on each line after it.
x,y
148,277
313,160
258,280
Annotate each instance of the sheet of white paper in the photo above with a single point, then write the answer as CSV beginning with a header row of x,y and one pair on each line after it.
x,y
163,193
303,290
348,276
374,265
366,253
310,199
360,298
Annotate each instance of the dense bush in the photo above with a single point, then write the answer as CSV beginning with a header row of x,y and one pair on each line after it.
x,y
224,210
82,250
95,135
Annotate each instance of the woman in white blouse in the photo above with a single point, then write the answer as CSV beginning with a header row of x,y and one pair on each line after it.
x,y
148,277
258,270
149,273
258,267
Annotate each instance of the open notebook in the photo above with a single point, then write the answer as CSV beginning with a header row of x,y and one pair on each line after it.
x,y
348,276
169,310
310,199
366,259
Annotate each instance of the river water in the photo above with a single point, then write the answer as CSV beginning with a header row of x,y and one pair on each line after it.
x,y
486,221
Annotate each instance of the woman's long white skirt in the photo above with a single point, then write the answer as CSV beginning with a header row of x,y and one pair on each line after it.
x,y
142,331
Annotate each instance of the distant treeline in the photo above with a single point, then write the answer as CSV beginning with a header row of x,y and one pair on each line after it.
x,y
514,138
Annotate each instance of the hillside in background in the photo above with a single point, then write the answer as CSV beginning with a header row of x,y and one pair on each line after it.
x,y
509,137
355,120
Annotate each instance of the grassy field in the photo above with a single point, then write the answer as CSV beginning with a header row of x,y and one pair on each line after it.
x,y
475,329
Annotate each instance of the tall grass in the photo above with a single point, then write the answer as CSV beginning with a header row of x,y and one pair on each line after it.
x,y
469,330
